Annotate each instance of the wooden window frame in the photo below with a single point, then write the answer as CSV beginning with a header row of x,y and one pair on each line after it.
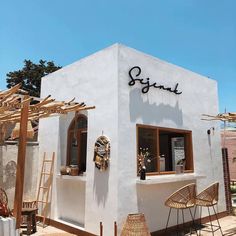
x,y
79,131
188,148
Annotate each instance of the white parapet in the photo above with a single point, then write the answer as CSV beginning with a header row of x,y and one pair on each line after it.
x,y
8,227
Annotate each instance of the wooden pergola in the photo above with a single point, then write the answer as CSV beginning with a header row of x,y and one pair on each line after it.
x,y
230,117
15,107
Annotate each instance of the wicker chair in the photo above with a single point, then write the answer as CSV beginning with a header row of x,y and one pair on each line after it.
x,y
209,198
183,198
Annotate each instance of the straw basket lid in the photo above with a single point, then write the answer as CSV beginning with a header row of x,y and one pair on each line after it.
x,y
135,225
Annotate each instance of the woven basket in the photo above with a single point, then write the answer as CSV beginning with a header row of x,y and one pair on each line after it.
x,y
135,225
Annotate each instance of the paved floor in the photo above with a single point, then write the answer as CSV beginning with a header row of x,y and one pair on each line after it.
x,y
228,225
50,231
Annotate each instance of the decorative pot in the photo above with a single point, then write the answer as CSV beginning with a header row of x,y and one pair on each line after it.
x,y
74,170
179,169
64,170
135,225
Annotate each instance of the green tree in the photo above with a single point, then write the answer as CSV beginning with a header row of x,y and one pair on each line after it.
x,y
30,76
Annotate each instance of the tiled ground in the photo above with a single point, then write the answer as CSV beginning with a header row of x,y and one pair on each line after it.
x,y
228,225
50,231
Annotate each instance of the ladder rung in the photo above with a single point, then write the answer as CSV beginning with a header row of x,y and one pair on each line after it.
x,y
47,161
43,187
42,201
45,173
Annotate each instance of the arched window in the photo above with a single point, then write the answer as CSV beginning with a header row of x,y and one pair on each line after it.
x,y
77,142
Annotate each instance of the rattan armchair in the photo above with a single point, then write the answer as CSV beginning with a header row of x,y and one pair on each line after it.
x,y
209,198
183,198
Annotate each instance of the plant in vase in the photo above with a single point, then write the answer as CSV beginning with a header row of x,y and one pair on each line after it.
x,y
143,160
180,166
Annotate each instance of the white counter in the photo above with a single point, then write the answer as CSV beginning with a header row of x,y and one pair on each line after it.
x,y
159,179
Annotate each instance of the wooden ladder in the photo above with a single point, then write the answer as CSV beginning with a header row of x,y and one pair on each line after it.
x,y
45,185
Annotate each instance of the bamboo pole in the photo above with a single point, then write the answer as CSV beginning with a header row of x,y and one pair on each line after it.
x,y
20,171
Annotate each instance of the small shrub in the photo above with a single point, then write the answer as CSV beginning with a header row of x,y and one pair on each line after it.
x,y
233,188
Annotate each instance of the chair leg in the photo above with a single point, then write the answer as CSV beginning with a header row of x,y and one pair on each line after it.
x,y
217,220
168,219
193,222
210,221
34,223
183,218
195,209
200,220
28,232
177,222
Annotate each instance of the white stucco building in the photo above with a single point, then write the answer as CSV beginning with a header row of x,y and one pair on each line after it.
x,y
164,117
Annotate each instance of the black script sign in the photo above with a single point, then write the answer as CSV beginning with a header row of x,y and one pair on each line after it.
x,y
134,74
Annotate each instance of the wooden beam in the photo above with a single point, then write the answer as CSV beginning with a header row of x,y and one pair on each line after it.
x,y
12,90
20,171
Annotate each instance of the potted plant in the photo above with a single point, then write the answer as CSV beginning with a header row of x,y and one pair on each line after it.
x,y
144,158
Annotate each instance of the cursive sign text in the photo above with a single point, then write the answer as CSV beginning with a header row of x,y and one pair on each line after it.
x,y
134,74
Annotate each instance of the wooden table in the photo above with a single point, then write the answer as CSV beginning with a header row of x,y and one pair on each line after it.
x,y
30,213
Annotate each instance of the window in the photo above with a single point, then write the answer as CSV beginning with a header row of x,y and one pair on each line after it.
x,y
166,148
77,142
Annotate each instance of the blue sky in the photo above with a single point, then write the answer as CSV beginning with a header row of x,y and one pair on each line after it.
x,y
199,35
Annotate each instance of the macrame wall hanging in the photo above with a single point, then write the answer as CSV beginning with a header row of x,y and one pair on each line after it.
x,y
102,153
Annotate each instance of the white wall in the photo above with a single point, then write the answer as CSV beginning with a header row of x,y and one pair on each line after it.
x,y
102,80
164,109
92,80
8,160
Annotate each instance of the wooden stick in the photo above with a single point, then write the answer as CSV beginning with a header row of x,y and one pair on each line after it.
x,y
21,164
101,229
11,90
115,229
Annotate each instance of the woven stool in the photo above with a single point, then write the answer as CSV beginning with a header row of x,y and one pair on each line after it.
x,y
29,210
209,198
183,198
135,225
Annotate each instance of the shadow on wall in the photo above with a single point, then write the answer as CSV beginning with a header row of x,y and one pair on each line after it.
x,y
100,185
10,175
153,112
29,175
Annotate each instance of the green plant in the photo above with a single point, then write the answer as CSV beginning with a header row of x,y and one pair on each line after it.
x,y
233,188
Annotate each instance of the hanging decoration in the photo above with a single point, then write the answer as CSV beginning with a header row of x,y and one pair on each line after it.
x,y
102,153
